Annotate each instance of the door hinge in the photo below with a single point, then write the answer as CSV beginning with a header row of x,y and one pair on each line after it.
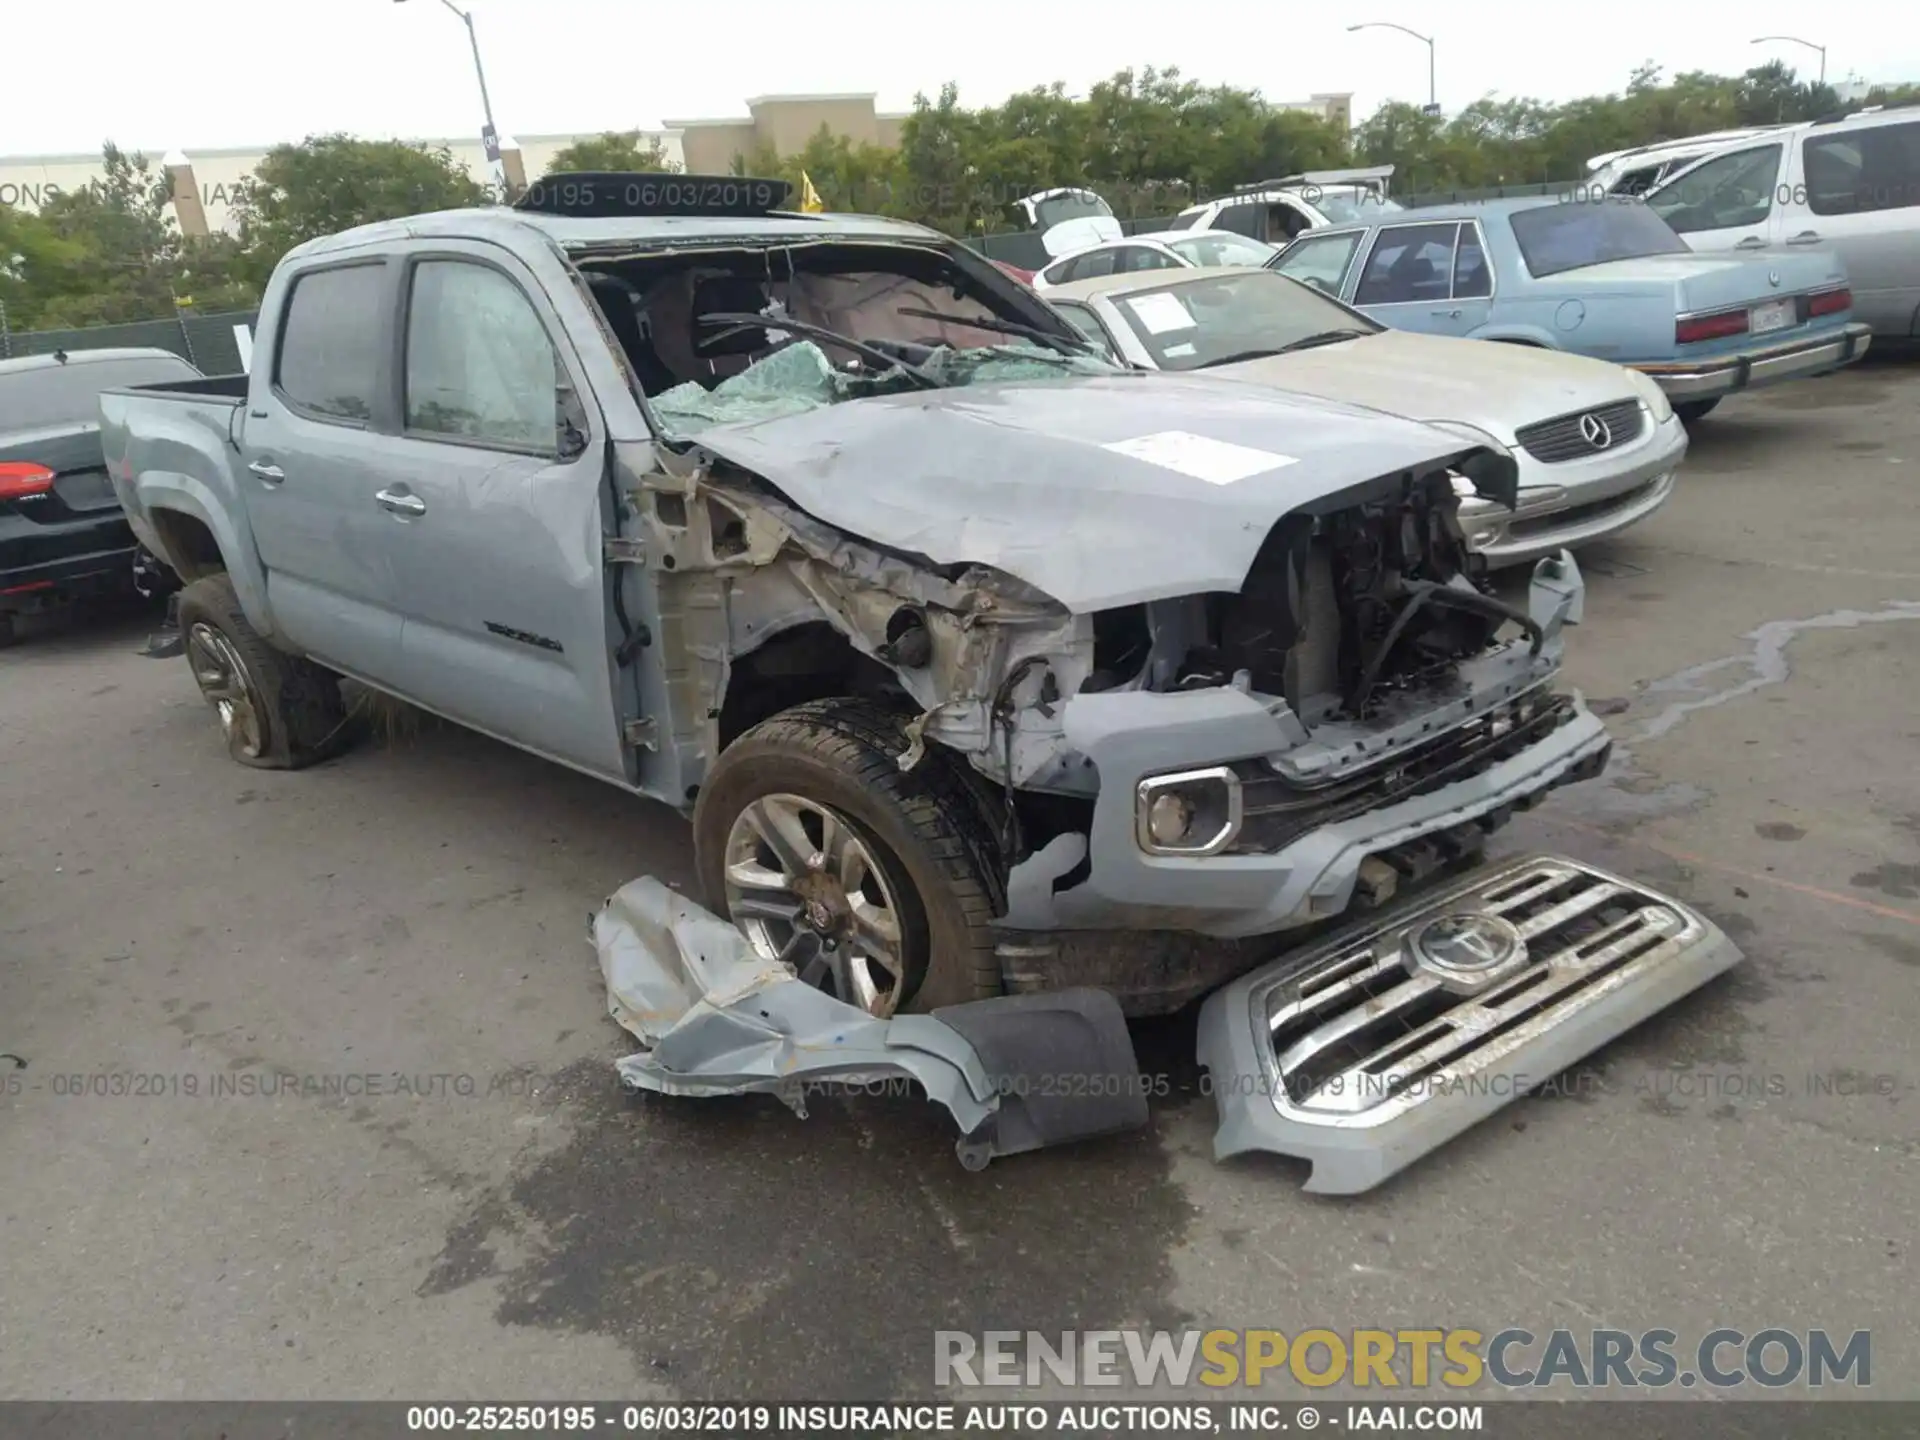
x,y
626,547
642,734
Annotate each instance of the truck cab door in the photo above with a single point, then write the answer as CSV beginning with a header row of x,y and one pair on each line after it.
x,y
1731,202
492,511
310,446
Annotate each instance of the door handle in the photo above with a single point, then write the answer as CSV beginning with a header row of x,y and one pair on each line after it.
x,y
400,503
1445,314
1752,242
271,474
1806,237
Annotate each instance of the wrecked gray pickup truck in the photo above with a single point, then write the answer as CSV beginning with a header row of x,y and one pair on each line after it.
x,y
982,664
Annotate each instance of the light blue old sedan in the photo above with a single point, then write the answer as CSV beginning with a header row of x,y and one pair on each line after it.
x,y
1603,278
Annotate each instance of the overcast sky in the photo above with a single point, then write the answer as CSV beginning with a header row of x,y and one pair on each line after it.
x,y
214,73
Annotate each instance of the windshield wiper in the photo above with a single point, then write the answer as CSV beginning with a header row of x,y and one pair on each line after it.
x,y
1007,327
1324,337
738,323
1306,342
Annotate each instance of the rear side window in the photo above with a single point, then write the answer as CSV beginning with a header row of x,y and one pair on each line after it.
x,y
1409,263
1873,168
37,396
1472,280
330,342
1185,220
1242,218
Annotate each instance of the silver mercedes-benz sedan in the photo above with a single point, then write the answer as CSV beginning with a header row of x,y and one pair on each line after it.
x,y
1597,445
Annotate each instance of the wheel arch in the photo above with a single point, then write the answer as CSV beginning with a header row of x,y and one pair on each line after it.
x,y
199,537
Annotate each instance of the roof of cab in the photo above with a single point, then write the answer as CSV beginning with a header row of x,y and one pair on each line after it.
x,y
501,223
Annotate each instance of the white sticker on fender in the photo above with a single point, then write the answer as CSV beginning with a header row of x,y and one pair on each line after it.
x,y
1218,462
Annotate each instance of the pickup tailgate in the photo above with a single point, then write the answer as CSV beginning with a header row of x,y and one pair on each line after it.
x,y
181,432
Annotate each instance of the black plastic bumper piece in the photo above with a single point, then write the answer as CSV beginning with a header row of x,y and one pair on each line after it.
x,y
1062,1063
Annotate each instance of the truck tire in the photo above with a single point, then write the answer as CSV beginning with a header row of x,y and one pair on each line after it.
x,y
1692,410
277,711
807,824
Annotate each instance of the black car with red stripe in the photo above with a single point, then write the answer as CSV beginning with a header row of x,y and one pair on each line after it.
x,y
62,532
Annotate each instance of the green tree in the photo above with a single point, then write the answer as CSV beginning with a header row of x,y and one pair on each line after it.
x,y
122,251
39,271
328,183
612,151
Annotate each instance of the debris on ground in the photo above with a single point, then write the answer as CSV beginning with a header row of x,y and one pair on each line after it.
x,y
715,1017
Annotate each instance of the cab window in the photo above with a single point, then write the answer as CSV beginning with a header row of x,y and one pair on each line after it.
x,y
1320,260
1409,263
479,365
1725,192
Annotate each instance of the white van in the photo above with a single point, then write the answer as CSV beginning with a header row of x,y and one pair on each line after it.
x,y
1636,171
1850,184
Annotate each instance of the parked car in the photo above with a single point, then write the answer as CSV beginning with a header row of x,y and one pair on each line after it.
x,y
1068,219
62,531
1274,211
1158,250
1608,279
1636,171
1597,446
1848,186
982,663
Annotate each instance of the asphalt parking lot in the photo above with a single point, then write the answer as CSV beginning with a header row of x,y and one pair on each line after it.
x,y
500,1222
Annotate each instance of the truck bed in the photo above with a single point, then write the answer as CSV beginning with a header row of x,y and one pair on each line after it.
x,y
230,388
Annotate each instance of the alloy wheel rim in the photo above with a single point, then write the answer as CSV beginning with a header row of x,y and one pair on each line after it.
x,y
804,886
225,685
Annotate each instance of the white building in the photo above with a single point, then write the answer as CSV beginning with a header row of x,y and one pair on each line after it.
x,y
206,182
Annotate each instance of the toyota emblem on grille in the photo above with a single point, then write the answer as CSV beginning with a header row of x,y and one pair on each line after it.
x,y
1467,950
1596,432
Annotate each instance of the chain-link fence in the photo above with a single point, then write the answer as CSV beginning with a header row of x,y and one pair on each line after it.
x,y
209,341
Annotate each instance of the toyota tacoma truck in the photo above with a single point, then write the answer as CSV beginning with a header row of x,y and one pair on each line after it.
x,y
985,666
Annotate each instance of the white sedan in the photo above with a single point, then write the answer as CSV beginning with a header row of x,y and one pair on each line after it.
x,y
1597,445
1160,250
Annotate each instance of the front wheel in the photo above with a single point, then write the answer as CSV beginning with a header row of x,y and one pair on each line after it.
x,y
1692,410
877,885
276,711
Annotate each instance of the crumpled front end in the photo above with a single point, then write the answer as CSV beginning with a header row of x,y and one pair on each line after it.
x,y
715,1018
1377,1046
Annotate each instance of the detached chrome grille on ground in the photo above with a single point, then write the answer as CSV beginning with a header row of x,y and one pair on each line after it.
x,y
1583,433
1387,1041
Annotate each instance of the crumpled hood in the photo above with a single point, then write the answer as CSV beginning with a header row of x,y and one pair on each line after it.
x,y
1498,388
1100,491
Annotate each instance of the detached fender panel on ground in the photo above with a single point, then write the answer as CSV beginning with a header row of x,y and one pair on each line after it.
x,y
1017,1073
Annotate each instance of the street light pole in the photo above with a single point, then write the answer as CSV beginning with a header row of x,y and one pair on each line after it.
x,y
1433,93
1796,40
489,137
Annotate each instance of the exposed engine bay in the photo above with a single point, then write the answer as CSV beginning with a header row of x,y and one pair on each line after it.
x,y
1269,598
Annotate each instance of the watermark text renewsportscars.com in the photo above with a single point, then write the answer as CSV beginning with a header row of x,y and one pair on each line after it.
x,y
1515,1358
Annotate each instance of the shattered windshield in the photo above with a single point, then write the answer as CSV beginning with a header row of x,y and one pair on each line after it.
x,y
801,377
728,348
